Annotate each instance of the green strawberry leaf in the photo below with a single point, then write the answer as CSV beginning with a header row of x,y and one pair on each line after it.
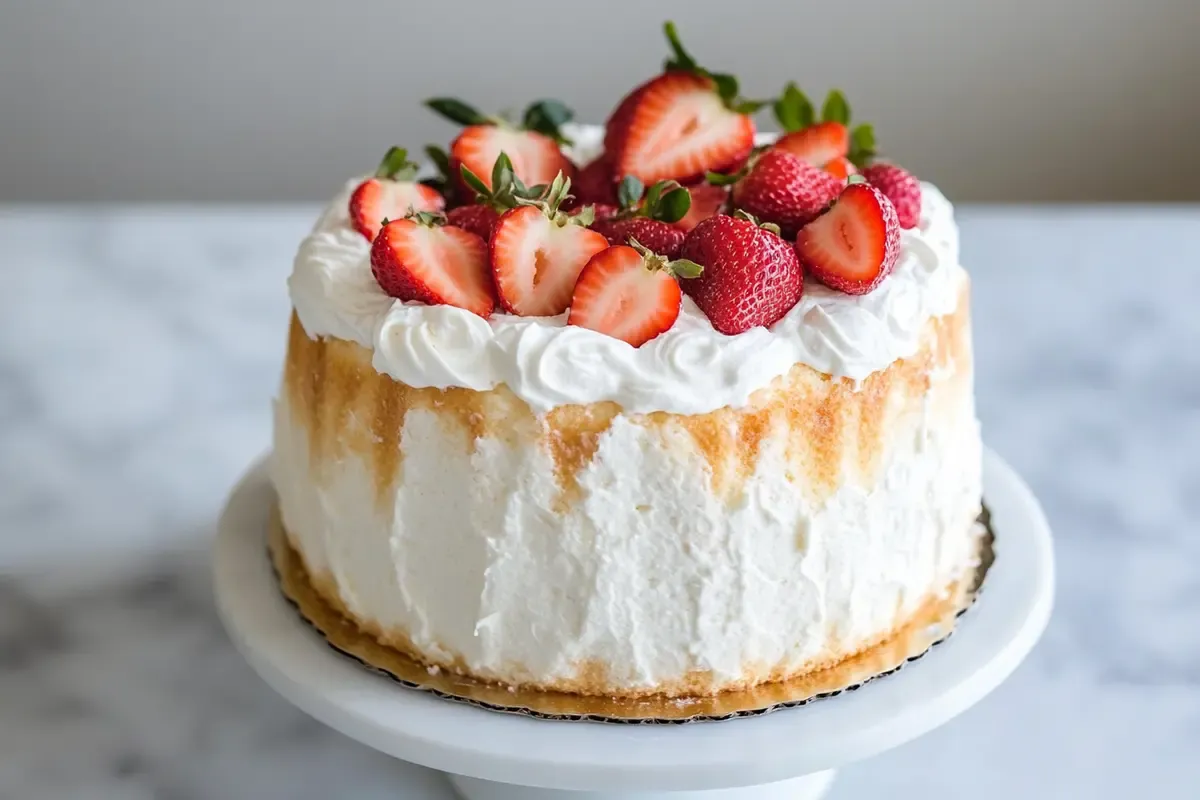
x,y
680,59
685,268
547,117
793,109
673,206
457,111
727,86
862,145
721,179
474,181
440,159
836,109
629,191
503,175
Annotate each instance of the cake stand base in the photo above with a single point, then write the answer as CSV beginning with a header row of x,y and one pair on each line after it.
x,y
785,754
806,787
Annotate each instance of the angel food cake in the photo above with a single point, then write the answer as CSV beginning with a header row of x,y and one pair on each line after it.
x,y
640,409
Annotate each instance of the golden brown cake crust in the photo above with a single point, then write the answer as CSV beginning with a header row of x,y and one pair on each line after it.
x,y
833,428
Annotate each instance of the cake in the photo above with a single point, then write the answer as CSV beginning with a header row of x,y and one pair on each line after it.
x,y
777,475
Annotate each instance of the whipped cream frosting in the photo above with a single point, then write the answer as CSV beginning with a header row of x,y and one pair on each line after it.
x,y
690,369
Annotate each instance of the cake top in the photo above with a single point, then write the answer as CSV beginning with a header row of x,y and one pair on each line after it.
x,y
673,260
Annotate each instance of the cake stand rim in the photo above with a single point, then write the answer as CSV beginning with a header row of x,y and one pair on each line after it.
x,y
453,737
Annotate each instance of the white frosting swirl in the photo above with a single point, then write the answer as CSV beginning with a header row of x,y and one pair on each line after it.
x,y
690,369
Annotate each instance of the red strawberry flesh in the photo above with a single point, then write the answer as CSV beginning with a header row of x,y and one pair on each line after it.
x,y
854,245
536,261
433,265
617,295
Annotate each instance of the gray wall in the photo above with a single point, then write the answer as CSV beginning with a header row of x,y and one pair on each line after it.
x,y
218,100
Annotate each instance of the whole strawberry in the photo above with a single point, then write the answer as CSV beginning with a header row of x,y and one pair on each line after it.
x,y
751,276
594,183
899,186
477,219
647,216
785,190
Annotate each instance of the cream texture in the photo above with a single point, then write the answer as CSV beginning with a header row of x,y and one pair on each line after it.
x,y
649,575
690,369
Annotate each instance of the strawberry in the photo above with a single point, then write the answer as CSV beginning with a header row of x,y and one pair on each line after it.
x,y
681,124
594,183
390,193
417,259
817,144
629,293
899,186
827,143
477,219
505,191
707,200
533,146
751,276
661,237
647,215
841,168
853,246
782,189
538,251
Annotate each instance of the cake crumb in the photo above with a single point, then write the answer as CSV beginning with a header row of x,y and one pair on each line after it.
x,y
434,669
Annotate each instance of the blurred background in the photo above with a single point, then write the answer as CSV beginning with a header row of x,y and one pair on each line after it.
x,y
228,100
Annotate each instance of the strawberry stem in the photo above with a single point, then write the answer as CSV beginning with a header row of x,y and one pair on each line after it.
x,y
396,166
547,118
458,111
679,268
682,60
769,227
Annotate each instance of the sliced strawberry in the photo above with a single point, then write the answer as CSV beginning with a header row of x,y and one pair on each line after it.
x,y
390,194
682,124
854,245
841,168
681,129
707,200
817,144
532,146
478,219
537,253
661,237
418,260
629,294
751,276
899,186
785,190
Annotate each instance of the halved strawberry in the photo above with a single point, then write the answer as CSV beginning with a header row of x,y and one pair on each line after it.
x,y
390,194
537,253
506,191
854,245
532,146
785,190
417,259
682,124
707,200
751,276
899,186
817,144
841,168
629,293
829,143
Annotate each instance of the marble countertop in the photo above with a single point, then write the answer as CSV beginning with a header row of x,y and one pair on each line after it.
x,y
138,352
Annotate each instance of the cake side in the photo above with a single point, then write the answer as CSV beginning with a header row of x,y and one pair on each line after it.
x,y
597,551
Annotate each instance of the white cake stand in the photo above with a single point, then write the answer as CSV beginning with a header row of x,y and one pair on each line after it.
x,y
495,756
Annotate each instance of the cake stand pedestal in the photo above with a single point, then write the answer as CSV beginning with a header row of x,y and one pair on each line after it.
x,y
789,754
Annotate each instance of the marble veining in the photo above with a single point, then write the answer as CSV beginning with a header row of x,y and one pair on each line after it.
x,y
139,348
